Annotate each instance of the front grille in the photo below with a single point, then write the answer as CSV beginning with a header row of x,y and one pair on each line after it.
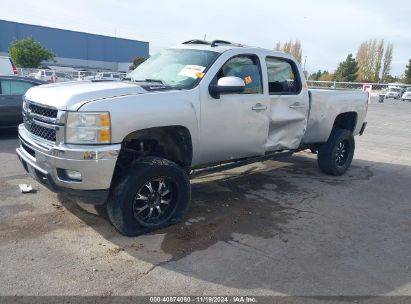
x,y
43,111
40,131
41,121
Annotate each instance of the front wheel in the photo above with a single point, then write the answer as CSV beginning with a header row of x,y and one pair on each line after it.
x,y
335,156
152,193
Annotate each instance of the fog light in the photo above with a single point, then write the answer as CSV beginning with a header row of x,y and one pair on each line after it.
x,y
71,174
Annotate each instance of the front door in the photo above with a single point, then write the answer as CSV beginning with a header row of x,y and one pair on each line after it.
x,y
289,105
235,125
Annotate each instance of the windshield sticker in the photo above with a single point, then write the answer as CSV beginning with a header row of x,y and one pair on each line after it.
x,y
192,71
248,80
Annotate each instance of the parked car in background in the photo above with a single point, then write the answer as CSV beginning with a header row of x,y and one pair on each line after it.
x,y
12,89
393,92
7,66
53,76
406,95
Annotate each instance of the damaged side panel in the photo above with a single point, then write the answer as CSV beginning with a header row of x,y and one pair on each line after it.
x,y
288,121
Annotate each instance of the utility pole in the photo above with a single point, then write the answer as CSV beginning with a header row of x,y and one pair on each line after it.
x,y
305,60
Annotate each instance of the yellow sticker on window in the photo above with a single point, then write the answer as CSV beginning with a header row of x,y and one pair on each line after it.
x,y
248,80
200,75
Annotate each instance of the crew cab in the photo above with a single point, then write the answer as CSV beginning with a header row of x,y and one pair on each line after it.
x,y
133,145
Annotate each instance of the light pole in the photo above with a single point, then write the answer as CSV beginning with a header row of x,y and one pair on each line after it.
x,y
305,60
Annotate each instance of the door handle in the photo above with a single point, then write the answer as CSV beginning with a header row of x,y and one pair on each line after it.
x,y
259,107
297,106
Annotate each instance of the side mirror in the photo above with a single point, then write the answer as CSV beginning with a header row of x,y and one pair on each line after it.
x,y
229,84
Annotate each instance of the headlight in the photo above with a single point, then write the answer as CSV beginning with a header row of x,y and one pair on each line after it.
x,y
24,105
88,128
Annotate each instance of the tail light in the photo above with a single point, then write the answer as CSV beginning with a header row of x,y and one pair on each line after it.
x,y
15,72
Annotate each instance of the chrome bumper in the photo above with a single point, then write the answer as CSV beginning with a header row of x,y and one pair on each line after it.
x,y
48,163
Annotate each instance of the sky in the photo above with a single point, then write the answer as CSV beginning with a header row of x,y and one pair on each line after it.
x,y
328,30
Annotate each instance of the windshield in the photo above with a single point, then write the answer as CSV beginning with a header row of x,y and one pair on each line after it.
x,y
409,89
176,68
395,90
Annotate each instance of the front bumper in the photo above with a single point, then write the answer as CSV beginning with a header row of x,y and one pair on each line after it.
x,y
47,165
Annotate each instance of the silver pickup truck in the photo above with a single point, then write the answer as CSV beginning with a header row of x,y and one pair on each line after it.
x,y
133,145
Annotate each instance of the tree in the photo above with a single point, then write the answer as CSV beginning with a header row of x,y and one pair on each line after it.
x,y
407,78
369,58
347,70
386,69
136,62
378,61
326,76
315,76
291,47
366,58
28,53
390,78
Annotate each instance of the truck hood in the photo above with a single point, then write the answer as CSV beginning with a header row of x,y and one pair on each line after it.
x,y
72,95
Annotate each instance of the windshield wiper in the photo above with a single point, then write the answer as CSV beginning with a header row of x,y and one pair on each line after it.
x,y
154,80
150,80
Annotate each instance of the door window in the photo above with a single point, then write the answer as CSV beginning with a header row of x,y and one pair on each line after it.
x,y
19,87
5,87
246,68
282,77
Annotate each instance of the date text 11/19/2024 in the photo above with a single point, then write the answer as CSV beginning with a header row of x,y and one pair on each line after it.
x,y
203,299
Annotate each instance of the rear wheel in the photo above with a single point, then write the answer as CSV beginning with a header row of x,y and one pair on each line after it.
x,y
152,193
335,156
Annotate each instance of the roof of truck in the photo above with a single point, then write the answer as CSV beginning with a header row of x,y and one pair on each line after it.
x,y
221,46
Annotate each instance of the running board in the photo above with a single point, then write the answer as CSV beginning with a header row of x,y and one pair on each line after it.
x,y
238,163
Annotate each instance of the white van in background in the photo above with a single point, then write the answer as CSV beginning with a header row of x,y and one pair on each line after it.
x,y
109,76
7,66
52,76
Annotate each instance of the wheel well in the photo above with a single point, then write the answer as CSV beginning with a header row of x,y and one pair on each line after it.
x,y
347,120
171,142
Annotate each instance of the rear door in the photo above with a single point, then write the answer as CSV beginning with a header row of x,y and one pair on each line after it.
x,y
289,104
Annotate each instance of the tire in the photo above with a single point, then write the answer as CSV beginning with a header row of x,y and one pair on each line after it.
x,y
132,206
332,159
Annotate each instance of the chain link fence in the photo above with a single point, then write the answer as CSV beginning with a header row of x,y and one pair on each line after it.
x,y
376,87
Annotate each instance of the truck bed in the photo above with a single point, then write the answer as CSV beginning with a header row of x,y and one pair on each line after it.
x,y
326,105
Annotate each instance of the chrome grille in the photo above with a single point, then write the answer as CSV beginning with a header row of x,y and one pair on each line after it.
x,y
41,121
40,131
43,111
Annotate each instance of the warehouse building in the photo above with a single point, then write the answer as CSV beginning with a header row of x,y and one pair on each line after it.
x,y
76,49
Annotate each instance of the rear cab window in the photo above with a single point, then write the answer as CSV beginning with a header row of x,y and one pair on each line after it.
x,y
14,87
283,77
19,87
